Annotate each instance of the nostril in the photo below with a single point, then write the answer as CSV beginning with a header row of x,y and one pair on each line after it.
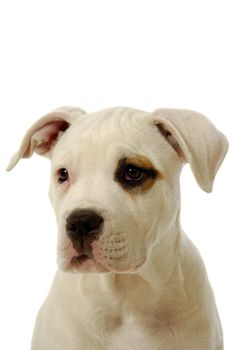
x,y
87,227
89,224
92,224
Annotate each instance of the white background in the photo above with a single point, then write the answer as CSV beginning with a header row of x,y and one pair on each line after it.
x,y
97,54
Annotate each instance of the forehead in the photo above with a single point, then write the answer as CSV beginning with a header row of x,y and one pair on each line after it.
x,y
112,133
108,125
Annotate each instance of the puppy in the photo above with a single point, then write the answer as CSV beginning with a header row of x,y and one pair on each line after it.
x,y
128,277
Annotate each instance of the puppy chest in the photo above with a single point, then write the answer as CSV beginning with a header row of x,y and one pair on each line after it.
x,y
132,333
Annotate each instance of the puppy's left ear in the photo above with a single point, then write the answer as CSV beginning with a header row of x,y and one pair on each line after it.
x,y
44,134
195,139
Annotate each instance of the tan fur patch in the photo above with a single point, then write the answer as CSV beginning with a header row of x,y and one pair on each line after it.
x,y
143,185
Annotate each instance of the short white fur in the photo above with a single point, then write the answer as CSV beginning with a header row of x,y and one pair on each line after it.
x,y
146,287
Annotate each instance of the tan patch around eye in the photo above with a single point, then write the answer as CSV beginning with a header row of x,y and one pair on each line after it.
x,y
146,185
151,174
140,161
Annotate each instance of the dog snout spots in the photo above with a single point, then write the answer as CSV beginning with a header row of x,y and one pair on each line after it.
x,y
114,247
83,224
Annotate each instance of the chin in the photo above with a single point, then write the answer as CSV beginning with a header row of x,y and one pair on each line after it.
x,y
83,264
86,264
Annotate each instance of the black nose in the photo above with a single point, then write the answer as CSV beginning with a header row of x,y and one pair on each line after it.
x,y
83,223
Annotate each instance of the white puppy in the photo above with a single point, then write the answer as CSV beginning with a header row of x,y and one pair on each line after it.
x,y
128,276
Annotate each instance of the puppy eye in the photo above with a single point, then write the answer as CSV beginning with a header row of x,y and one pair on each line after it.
x,y
133,173
62,175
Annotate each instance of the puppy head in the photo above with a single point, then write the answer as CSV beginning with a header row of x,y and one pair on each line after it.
x,y
115,179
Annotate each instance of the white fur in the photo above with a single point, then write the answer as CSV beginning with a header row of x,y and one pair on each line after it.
x,y
146,287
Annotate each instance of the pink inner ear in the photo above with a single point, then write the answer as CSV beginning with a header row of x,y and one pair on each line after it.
x,y
45,137
170,138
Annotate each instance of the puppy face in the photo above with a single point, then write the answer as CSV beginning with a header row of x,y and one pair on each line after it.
x,y
115,179
117,164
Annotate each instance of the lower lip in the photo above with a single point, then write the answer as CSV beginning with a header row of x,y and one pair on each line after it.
x,y
79,259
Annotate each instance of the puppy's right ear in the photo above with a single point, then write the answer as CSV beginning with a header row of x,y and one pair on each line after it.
x,y
43,135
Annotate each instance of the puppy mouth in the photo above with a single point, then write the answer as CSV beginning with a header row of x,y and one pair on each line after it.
x,y
84,261
81,258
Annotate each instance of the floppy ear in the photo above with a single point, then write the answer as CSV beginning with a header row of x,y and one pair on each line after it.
x,y
43,135
195,139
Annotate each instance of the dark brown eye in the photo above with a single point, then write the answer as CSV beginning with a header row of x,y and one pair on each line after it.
x,y
62,175
133,173
133,177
